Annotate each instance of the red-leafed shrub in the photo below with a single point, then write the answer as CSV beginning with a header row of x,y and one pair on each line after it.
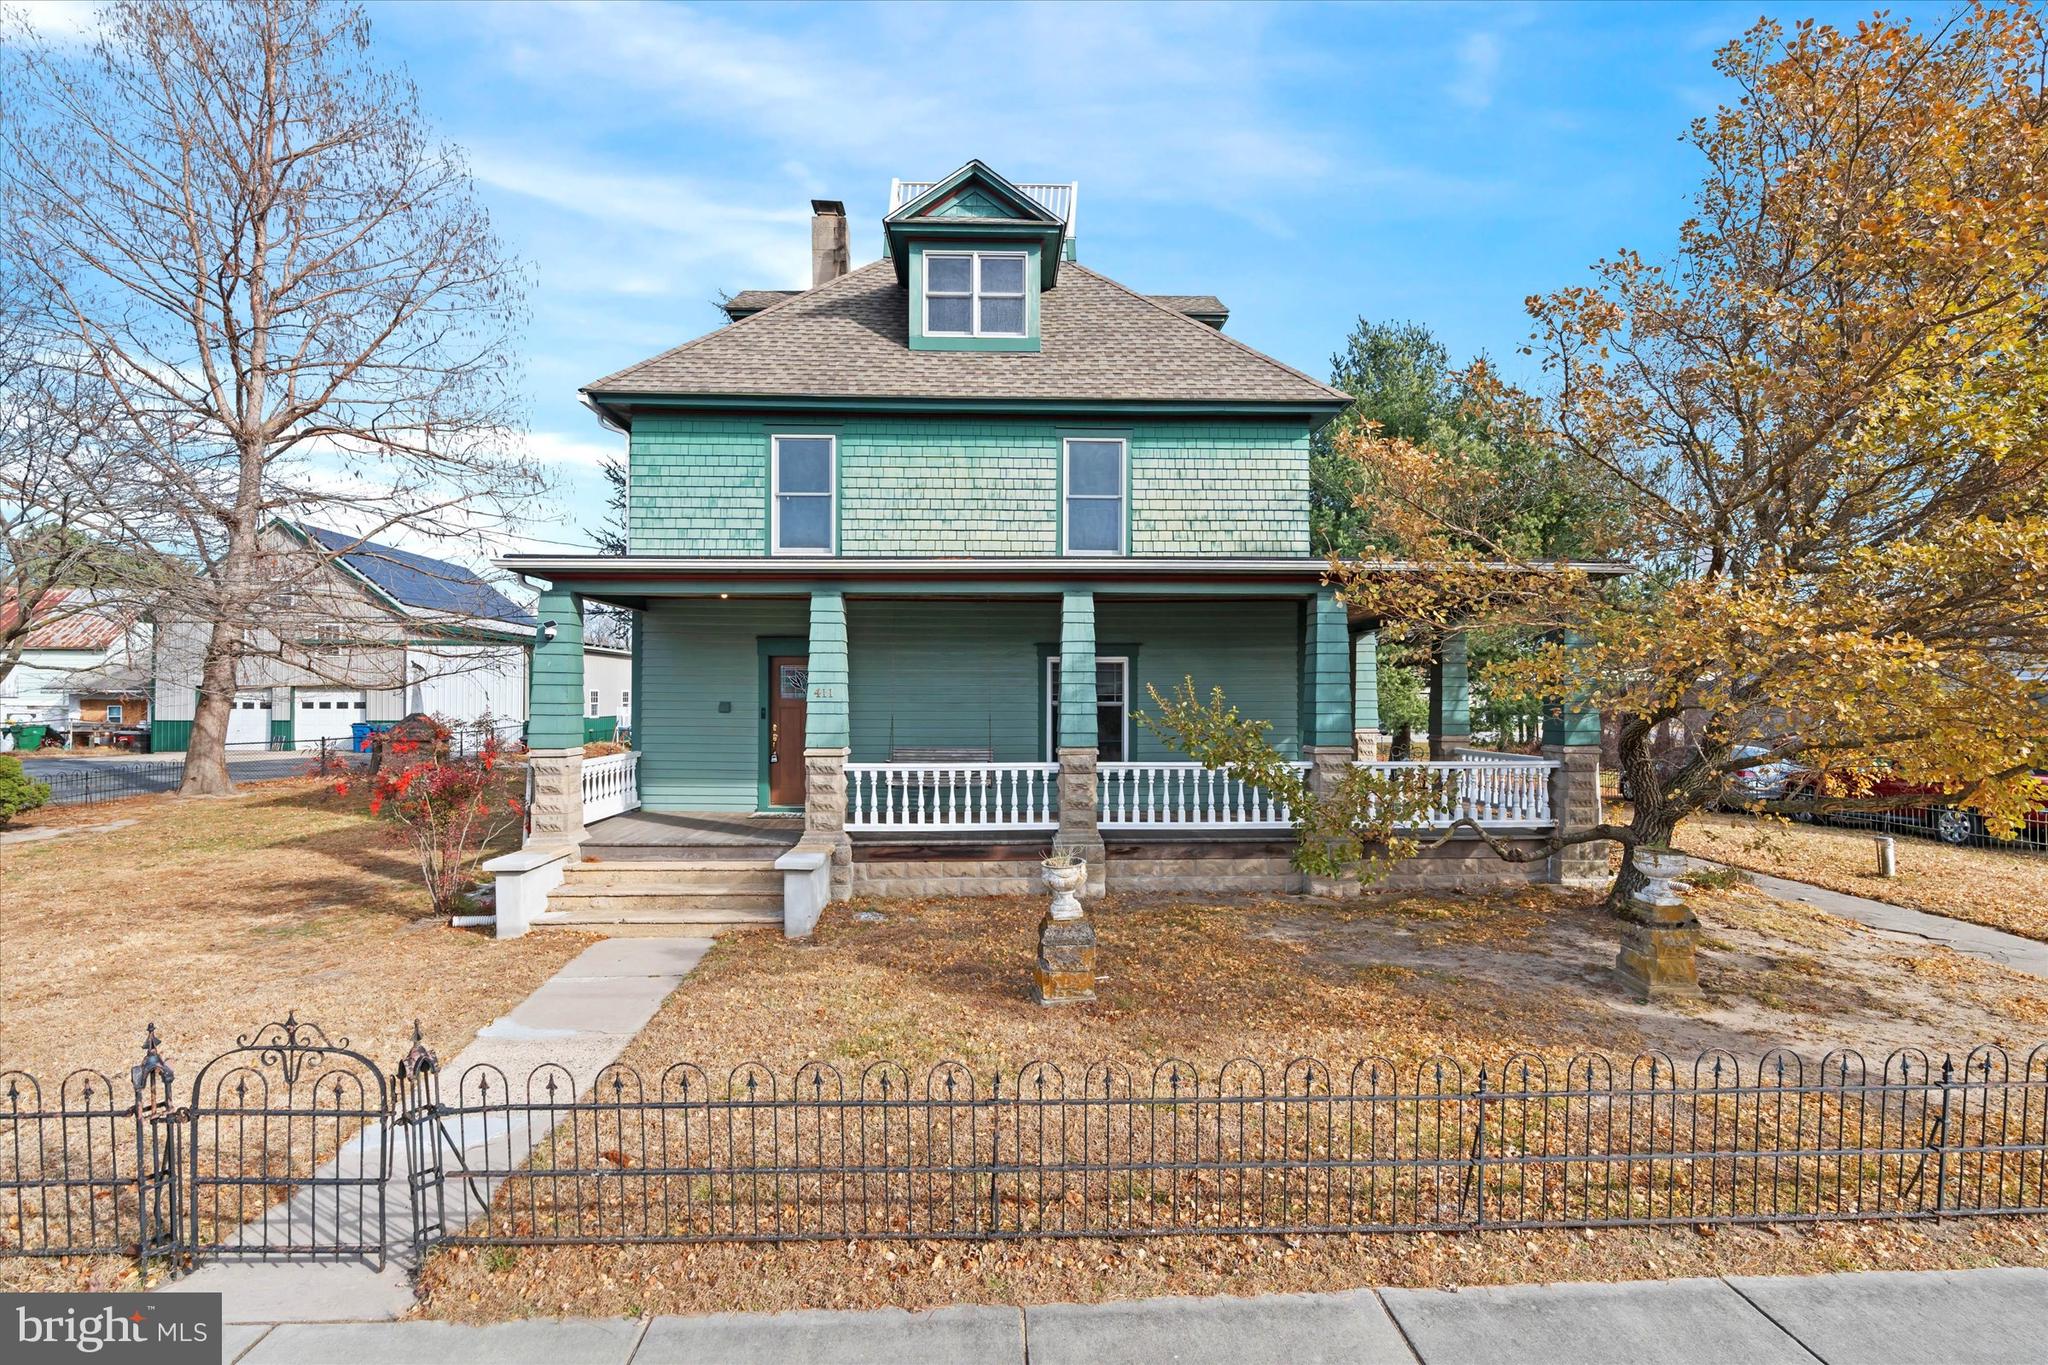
x,y
446,808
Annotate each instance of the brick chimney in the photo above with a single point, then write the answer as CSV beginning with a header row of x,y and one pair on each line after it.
x,y
829,256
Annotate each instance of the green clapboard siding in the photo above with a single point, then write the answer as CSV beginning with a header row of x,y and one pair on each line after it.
x,y
966,674
695,654
1251,649
970,485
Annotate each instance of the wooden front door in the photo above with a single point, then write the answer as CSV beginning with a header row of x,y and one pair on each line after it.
x,y
789,679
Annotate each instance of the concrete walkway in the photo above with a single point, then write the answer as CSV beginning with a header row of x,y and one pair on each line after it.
x,y
1978,1317
581,1018
1993,945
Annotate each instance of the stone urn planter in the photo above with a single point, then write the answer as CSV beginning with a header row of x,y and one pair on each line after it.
x,y
1658,948
1065,875
1066,938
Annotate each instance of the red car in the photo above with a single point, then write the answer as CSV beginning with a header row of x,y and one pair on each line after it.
x,y
1951,824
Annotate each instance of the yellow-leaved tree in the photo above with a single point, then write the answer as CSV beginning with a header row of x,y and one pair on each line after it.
x,y
1825,420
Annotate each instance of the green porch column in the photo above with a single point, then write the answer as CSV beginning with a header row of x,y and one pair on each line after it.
x,y
1326,689
827,738
1450,696
554,720
1329,672
1365,694
1571,739
1080,828
825,705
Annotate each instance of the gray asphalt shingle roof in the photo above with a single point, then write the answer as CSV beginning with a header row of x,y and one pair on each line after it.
x,y
419,581
849,339
1194,305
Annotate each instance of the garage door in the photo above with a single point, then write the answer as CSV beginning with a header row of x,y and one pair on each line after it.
x,y
249,722
326,713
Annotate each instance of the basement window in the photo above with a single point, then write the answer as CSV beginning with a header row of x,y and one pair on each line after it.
x,y
974,293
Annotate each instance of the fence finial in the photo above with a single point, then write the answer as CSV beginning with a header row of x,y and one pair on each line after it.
x,y
152,1065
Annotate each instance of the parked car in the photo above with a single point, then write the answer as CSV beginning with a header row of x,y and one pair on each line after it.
x,y
1934,815
1766,780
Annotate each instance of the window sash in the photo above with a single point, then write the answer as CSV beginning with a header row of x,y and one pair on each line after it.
x,y
1116,499
978,292
778,499
1122,708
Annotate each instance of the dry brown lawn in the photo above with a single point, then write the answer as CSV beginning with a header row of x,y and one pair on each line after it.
x,y
1402,976
2005,890
211,918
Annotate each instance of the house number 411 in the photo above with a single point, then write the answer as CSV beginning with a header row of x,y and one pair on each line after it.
x,y
824,694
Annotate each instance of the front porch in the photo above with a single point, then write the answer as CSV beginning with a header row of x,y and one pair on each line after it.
x,y
939,735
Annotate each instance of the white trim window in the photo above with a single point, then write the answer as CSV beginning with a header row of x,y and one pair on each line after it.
x,y
975,294
593,702
1112,709
803,517
1092,476
330,637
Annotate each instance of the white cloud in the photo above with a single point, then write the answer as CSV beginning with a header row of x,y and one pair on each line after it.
x,y
555,448
1478,70
62,23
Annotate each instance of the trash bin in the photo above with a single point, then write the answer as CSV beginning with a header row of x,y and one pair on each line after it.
x,y
29,738
359,736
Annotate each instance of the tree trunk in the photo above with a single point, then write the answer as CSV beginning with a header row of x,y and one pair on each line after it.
x,y
1650,821
1401,748
206,752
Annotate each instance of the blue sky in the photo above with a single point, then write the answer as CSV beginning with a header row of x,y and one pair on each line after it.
x,y
1308,164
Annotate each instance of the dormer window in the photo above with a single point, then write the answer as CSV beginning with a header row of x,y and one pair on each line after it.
x,y
974,293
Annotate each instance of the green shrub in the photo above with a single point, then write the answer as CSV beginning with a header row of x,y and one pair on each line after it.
x,y
18,791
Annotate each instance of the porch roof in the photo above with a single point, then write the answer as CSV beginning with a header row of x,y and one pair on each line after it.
x,y
617,576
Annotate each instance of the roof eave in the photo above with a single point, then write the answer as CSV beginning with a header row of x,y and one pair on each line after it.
x,y
618,404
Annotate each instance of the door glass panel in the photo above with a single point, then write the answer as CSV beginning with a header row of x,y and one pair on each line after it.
x,y
793,681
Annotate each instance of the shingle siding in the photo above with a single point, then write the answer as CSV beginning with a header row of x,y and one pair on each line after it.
x,y
987,487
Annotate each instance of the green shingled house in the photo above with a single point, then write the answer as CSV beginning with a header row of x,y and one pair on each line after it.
x,y
906,550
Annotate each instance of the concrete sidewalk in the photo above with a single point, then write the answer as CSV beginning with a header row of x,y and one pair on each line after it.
x,y
1978,940
1974,1317
580,1019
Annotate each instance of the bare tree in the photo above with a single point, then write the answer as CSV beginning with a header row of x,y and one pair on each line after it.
x,y
297,307
64,494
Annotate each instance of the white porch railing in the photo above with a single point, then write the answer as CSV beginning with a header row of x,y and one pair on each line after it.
x,y
950,796
611,785
1186,796
1495,792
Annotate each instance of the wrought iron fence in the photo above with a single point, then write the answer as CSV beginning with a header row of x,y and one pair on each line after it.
x,y
288,1145
1949,824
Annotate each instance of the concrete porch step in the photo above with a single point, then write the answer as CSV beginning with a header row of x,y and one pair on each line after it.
x,y
667,895
754,875
683,855
678,921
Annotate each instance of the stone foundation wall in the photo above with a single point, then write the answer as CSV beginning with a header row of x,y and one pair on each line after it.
x,y
1464,864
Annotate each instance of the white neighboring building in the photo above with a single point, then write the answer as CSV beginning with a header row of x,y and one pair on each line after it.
x,y
360,633
85,674
607,686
